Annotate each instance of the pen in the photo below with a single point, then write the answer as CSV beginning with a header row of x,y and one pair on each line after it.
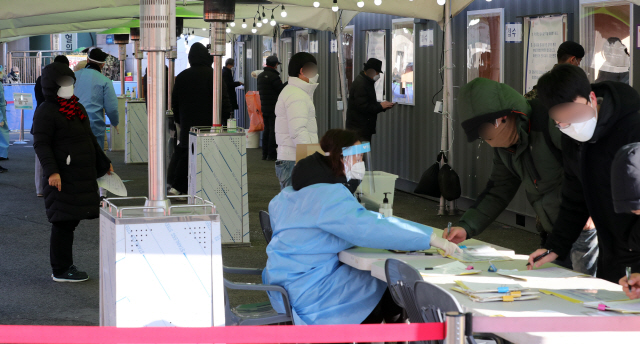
x,y
448,229
428,268
629,277
536,259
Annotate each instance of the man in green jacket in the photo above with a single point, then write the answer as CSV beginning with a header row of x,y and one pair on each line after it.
x,y
526,152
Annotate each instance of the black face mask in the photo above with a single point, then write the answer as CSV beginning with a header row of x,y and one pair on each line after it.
x,y
352,185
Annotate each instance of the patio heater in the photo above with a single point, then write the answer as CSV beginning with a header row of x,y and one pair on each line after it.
x,y
217,154
121,40
160,264
116,138
134,35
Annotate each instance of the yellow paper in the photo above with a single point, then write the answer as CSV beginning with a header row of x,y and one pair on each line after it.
x,y
516,293
507,298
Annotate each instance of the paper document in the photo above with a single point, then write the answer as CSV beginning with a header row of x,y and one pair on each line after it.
x,y
541,273
496,297
113,184
454,268
586,295
473,287
474,254
629,306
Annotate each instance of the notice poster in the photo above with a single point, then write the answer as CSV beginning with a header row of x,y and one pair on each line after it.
x,y
376,49
545,35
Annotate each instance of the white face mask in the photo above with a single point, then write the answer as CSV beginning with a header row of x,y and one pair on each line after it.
x,y
357,171
377,77
65,91
582,132
314,79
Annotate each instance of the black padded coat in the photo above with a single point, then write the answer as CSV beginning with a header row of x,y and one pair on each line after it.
x,y
269,86
67,147
363,107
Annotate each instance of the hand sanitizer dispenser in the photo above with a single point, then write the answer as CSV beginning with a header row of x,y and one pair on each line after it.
x,y
360,200
385,207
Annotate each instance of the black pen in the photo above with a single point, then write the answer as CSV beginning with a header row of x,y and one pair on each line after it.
x,y
536,259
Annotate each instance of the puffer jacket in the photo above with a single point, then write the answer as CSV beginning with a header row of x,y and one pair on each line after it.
x,y
363,109
269,86
534,162
295,118
67,147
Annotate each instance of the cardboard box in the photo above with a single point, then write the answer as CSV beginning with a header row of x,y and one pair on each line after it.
x,y
303,151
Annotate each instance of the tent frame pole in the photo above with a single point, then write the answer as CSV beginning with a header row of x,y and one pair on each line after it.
x,y
341,71
446,142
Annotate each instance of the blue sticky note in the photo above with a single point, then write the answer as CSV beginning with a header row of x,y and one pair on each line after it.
x,y
462,246
492,268
503,289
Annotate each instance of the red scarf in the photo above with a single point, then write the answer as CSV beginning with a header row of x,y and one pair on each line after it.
x,y
70,109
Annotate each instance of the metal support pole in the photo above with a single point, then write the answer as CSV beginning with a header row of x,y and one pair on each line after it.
x,y
38,64
454,328
21,140
156,124
342,72
170,81
218,47
448,88
122,55
139,54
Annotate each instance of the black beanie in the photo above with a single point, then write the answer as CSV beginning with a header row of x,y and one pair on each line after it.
x,y
98,56
625,179
62,59
568,49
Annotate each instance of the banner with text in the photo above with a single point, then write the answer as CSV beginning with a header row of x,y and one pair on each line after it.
x,y
545,36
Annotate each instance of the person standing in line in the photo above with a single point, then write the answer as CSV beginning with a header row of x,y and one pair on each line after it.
x,y
97,95
72,160
4,130
363,106
296,114
227,78
40,99
568,52
269,86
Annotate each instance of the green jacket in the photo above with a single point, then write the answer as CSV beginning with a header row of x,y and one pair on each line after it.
x,y
531,163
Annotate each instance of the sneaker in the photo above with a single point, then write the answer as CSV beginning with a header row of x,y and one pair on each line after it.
x,y
3,170
71,275
1,158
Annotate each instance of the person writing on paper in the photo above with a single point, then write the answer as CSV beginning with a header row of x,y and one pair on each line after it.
x,y
625,190
72,160
526,151
596,121
303,252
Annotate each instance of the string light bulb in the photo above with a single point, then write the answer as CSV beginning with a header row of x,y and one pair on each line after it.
x,y
244,24
283,14
273,20
264,16
335,7
316,4
259,23
228,29
254,30
377,2
232,24
360,4
441,2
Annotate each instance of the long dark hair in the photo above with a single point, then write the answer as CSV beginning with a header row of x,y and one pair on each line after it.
x,y
333,142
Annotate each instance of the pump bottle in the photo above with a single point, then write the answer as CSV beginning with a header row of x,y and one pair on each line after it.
x,y
128,94
385,207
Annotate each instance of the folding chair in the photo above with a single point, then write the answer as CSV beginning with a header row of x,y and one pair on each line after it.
x,y
401,279
265,223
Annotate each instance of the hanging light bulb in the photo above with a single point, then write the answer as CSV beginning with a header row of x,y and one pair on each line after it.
x,y
254,30
273,20
264,16
244,24
204,29
441,2
360,4
377,2
232,24
259,24
316,4
228,29
335,7
283,13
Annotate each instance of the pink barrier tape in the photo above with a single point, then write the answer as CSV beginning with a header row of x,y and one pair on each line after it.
x,y
233,334
556,324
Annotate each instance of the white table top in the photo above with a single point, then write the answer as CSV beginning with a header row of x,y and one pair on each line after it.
x,y
546,306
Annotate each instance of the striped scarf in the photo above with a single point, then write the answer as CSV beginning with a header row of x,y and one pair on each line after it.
x,y
70,109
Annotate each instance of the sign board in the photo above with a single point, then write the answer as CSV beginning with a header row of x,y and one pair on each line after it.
x,y
313,47
426,38
513,33
109,39
23,101
334,46
545,35
249,53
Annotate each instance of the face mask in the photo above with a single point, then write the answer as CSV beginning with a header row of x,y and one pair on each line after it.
x,y
582,132
377,77
313,79
65,91
357,171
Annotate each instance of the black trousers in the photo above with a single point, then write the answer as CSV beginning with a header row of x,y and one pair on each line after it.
x,y
180,180
386,310
269,146
61,245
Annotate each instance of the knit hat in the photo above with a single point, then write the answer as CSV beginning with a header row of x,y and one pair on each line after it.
x,y
570,48
625,179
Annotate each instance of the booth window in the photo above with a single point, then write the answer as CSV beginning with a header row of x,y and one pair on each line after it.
x,y
286,52
347,42
376,48
302,41
606,38
485,44
267,48
402,52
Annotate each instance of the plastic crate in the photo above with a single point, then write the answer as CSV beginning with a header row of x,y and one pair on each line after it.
x,y
383,182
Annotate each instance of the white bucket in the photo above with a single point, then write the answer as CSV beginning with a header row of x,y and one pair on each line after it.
x,y
253,139
382,182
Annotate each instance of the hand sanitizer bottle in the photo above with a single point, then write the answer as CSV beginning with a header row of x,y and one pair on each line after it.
x,y
231,125
385,207
128,94
133,93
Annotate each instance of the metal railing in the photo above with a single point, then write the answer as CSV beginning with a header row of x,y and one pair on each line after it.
x,y
31,62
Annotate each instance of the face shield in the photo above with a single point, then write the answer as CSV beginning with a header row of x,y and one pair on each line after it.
x,y
357,164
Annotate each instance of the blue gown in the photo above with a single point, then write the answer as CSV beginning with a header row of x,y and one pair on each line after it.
x,y
310,227
4,128
96,94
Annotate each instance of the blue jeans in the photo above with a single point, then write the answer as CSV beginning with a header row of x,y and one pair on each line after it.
x,y
584,253
283,172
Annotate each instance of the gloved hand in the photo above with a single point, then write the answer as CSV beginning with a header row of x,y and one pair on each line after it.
x,y
444,244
